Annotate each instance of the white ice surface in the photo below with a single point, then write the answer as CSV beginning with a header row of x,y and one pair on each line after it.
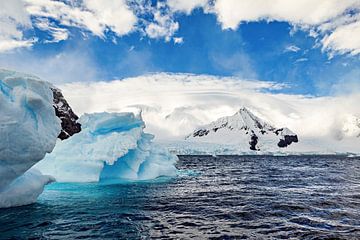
x,y
24,189
28,130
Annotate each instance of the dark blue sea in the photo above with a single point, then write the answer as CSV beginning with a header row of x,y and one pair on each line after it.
x,y
232,197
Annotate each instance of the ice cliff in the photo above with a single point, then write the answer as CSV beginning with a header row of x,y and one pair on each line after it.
x,y
110,146
29,128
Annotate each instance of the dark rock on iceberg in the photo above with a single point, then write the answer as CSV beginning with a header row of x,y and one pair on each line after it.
x,y
69,124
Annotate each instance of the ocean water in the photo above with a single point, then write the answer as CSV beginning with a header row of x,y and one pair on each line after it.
x,y
232,197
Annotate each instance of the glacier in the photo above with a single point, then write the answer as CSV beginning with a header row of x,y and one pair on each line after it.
x,y
111,146
29,129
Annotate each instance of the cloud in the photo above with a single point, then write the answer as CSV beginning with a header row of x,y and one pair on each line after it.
x,y
337,23
185,5
301,60
89,15
57,34
92,15
292,48
10,44
344,39
13,20
98,17
178,40
162,24
174,104
231,13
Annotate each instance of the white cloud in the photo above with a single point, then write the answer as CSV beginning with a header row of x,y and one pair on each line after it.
x,y
301,60
344,39
335,24
114,14
94,16
292,48
178,40
186,5
90,16
13,20
174,104
323,17
162,25
309,12
57,34
98,17
10,44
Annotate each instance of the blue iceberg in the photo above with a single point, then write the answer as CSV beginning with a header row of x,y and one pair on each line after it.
x,y
111,146
35,116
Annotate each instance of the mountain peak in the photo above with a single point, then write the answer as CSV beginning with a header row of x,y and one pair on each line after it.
x,y
244,109
244,125
250,120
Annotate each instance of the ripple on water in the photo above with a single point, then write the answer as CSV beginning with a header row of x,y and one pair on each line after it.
x,y
227,197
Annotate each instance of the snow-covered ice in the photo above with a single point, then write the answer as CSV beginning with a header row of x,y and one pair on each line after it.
x,y
29,129
110,146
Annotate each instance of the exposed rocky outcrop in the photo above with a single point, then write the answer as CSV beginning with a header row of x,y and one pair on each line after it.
x,y
288,139
253,142
69,124
201,132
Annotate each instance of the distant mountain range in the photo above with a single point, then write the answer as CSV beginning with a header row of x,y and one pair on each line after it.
x,y
244,128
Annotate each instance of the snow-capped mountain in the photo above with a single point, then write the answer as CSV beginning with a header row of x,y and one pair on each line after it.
x,y
244,129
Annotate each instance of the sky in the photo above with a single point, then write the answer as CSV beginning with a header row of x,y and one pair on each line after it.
x,y
173,105
311,46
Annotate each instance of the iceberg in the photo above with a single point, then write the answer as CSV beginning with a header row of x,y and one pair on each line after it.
x,y
25,189
110,146
29,129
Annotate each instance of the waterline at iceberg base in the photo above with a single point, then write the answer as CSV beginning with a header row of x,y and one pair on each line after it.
x,y
111,146
224,197
35,117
